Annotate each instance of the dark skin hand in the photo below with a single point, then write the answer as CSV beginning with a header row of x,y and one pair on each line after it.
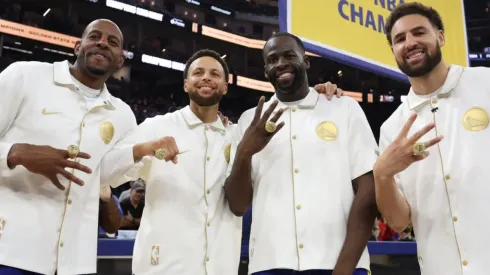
x,y
359,225
109,216
238,186
47,161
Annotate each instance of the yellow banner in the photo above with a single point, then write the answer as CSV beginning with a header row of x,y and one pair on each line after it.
x,y
352,31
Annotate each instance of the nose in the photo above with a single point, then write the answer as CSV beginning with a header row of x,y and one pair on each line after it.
x,y
103,43
282,63
410,41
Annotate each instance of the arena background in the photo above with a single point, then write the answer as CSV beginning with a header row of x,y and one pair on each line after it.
x,y
160,35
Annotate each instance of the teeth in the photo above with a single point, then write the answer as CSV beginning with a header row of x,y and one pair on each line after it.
x,y
284,75
414,55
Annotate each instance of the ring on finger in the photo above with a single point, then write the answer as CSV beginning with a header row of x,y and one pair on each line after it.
x,y
270,127
73,151
418,149
161,154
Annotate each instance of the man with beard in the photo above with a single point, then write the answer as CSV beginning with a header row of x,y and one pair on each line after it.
x,y
58,125
438,185
187,226
310,183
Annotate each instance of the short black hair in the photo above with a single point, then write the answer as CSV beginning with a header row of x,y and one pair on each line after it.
x,y
412,8
210,53
279,34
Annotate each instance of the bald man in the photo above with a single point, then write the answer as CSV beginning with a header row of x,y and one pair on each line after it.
x,y
58,127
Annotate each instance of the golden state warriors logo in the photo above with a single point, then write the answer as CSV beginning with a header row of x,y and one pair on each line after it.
x,y
475,119
327,131
227,152
106,132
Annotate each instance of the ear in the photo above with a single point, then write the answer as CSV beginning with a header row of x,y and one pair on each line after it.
x,y
225,91
265,73
76,50
186,86
307,61
442,38
121,60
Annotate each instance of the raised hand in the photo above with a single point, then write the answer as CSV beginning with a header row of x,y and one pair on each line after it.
x,y
405,150
48,161
329,89
261,129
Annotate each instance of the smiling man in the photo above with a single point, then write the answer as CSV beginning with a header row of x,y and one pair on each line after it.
x,y
309,176
187,227
438,185
58,126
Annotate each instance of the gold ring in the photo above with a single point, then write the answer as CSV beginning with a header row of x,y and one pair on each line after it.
x,y
418,149
73,151
270,127
161,154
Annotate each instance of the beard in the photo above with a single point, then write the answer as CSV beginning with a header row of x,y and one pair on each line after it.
x,y
82,59
205,101
431,61
296,83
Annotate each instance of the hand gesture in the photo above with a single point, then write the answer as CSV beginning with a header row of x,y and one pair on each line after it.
x,y
47,161
404,150
329,89
164,149
106,193
261,131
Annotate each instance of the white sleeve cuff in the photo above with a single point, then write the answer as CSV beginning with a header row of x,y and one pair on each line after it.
x,y
4,152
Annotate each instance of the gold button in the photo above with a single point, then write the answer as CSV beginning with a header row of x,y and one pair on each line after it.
x,y
209,224
294,137
207,259
61,244
433,101
301,246
206,127
294,109
465,262
420,258
69,201
208,158
208,191
455,219
296,170
298,206
447,177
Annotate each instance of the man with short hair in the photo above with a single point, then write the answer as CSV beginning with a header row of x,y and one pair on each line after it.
x,y
187,226
310,183
438,185
133,206
58,125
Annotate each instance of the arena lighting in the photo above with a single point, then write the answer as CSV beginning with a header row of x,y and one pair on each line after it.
x,y
46,12
17,49
134,10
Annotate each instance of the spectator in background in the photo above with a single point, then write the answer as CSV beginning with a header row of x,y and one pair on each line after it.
x,y
386,233
133,206
110,213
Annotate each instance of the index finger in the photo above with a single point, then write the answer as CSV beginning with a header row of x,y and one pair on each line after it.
x,y
408,125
